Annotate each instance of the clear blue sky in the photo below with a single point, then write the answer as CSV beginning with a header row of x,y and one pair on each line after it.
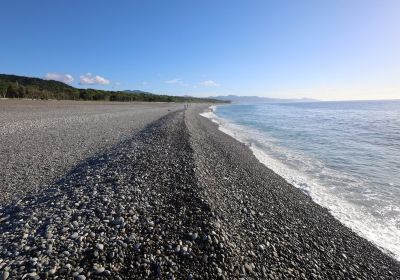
x,y
338,49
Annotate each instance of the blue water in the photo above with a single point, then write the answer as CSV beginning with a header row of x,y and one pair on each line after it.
x,y
345,155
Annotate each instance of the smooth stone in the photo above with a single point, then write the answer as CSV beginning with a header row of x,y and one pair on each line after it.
x,y
99,270
100,246
4,275
123,244
219,271
64,229
249,267
118,221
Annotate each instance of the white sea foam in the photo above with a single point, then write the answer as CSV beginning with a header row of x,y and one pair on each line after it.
x,y
386,236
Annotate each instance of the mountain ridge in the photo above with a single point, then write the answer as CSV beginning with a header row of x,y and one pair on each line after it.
x,y
260,99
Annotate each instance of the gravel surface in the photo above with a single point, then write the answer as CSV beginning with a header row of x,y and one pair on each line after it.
x,y
179,200
133,211
41,140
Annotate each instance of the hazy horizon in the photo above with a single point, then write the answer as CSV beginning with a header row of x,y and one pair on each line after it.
x,y
330,50
311,99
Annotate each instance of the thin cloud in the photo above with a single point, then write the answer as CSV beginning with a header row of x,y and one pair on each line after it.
x,y
174,81
65,78
89,79
209,83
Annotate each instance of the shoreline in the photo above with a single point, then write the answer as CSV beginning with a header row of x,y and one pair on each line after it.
x,y
179,199
332,204
298,206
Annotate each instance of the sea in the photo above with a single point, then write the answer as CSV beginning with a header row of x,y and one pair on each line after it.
x,y
345,155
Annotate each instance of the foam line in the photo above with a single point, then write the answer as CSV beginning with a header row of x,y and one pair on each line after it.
x,y
385,236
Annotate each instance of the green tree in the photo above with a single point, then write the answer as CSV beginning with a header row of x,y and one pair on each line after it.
x,y
21,91
3,90
12,91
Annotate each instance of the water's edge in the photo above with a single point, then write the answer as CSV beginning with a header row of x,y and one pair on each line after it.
x,y
338,208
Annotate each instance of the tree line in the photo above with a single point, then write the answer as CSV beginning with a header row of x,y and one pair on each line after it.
x,y
12,86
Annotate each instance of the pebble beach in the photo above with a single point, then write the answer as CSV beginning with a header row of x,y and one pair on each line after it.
x,y
155,191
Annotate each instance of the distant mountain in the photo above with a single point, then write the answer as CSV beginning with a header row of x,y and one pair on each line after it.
x,y
259,99
137,91
36,83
